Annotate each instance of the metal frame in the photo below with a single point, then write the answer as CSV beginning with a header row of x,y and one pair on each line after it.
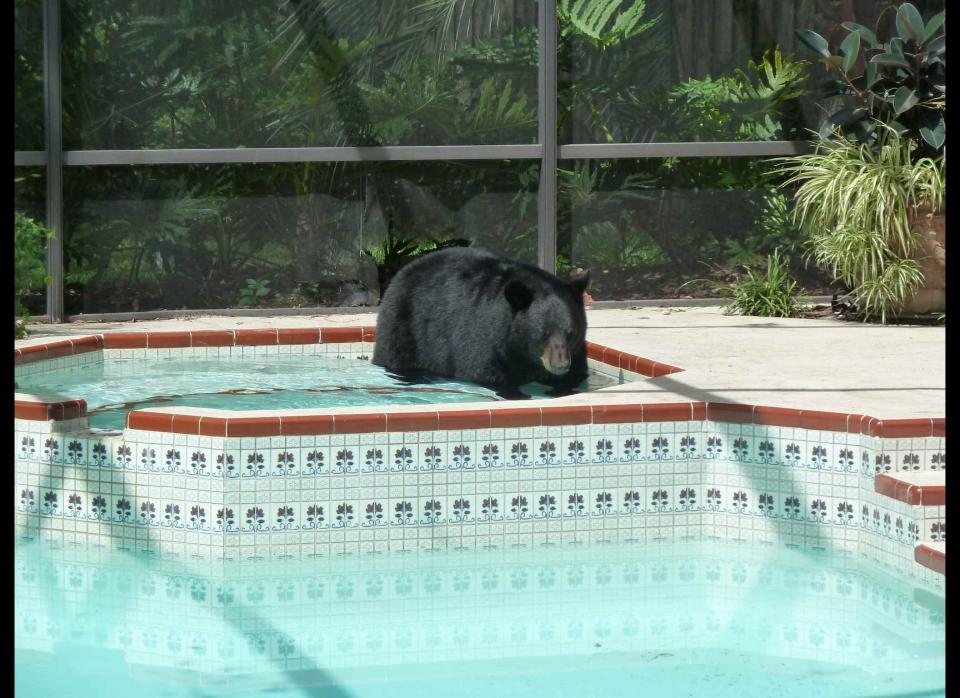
x,y
547,150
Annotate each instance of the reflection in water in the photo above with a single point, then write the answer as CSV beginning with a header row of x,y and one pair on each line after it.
x,y
496,621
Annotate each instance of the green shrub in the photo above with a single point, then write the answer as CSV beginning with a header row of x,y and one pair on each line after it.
x,y
855,203
30,265
774,294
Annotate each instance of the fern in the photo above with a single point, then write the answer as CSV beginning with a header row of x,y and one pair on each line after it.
x,y
591,18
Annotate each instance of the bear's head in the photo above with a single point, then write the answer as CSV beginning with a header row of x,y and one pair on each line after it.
x,y
549,324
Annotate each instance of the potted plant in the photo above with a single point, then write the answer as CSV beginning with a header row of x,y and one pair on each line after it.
x,y
871,195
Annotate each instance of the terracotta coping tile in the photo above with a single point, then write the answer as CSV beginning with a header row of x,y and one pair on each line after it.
x,y
369,334
902,428
619,414
42,411
731,412
464,419
823,421
253,426
939,426
212,426
915,495
168,340
307,425
645,367
341,335
359,423
186,424
212,338
412,421
298,335
930,558
150,421
668,412
776,416
574,414
248,338
125,340
514,417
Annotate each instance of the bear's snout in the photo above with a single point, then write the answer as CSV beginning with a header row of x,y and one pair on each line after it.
x,y
556,356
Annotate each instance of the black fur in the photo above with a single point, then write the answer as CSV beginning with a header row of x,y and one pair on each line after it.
x,y
470,315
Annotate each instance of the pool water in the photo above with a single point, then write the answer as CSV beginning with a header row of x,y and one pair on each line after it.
x,y
116,386
685,619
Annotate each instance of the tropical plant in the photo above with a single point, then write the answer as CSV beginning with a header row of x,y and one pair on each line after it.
x,y
393,253
774,294
256,292
29,265
856,203
896,76
594,20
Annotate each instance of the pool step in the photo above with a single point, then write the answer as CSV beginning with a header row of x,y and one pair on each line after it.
x,y
927,490
932,555
920,488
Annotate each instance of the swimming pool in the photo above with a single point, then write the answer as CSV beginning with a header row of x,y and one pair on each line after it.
x,y
236,381
685,618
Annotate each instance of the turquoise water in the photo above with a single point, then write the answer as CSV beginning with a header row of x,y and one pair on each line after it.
x,y
689,619
115,387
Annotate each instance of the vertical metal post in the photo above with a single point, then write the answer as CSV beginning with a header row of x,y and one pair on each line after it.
x,y
53,119
547,113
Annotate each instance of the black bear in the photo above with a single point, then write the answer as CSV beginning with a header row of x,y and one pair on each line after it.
x,y
471,315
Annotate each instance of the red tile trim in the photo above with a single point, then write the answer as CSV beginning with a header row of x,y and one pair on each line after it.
x,y
939,426
359,423
369,334
618,414
307,425
668,412
28,355
212,338
776,416
645,367
57,350
595,351
213,426
82,345
901,428
823,421
557,416
515,417
915,495
253,426
247,338
853,423
464,419
168,340
41,411
930,558
412,421
731,412
341,335
150,421
125,340
298,335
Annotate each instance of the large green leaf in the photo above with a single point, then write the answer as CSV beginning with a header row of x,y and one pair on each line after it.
x,y
909,22
934,129
885,24
814,41
868,36
890,59
904,99
850,48
933,26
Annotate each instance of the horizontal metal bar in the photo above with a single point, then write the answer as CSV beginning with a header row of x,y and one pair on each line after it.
x,y
359,310
29,158
188,156
687,302
604,151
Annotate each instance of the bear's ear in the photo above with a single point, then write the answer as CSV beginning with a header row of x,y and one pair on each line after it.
x,y
579,284
518,295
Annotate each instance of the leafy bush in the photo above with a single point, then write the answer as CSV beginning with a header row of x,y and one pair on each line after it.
x,y
394,253
30,264
774,294
895,78
856,202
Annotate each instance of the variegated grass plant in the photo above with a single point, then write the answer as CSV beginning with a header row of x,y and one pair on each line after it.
x,y
856,203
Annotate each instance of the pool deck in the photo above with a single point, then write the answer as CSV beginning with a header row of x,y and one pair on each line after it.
x,y
887,372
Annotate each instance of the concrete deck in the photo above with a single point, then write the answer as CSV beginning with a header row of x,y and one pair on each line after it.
x,y
885,372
